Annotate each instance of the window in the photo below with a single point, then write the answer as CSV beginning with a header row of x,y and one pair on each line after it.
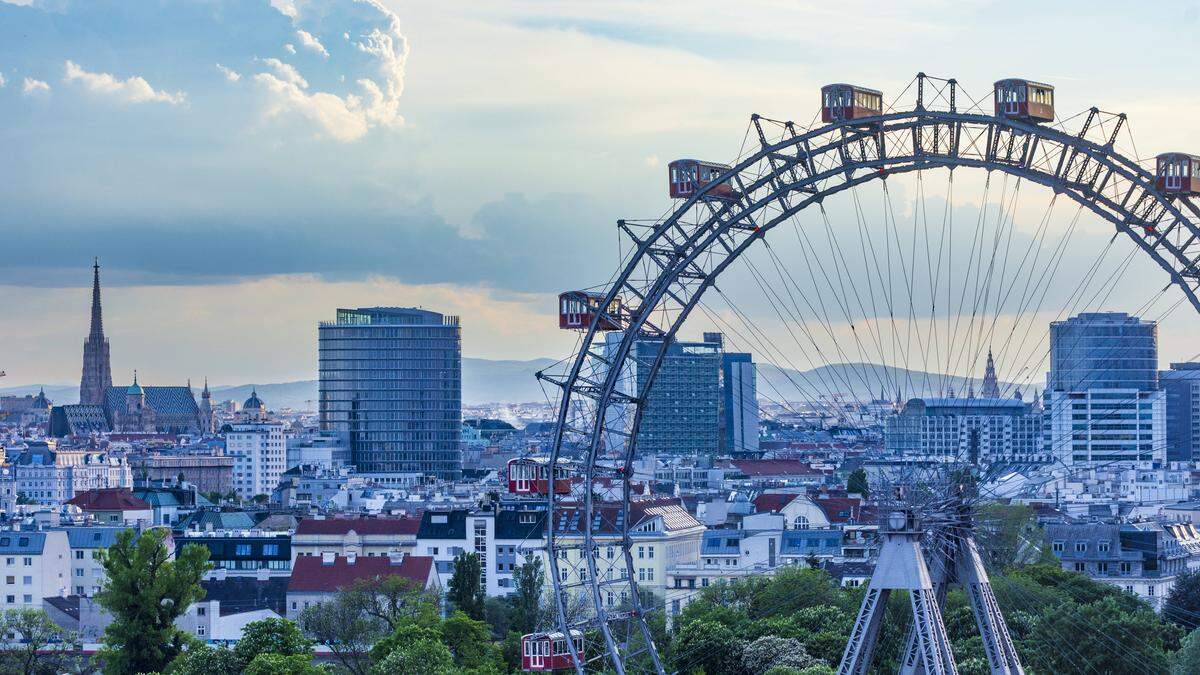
x,y
79,572
650,553
1126,568
79,555
10,599
10,580
800,523
270,549
201,611
28,599
1104,546
1057,547
1149,591
1081,547
1079,567
29,562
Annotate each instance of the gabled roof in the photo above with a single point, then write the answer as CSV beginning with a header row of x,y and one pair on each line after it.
x,y
773,502
840,510
311,574
92,537
31,543
108,499
363,526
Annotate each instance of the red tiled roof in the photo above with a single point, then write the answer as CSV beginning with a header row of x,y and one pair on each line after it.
x,y
311,574
775,467
773,502
840,510
108,499
359,525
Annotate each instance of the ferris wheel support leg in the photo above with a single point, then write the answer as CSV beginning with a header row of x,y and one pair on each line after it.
x,y
856,660
934,645
997,643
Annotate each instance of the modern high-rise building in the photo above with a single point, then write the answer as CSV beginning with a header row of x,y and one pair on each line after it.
x,y
681,414
97,370
391,382
1103,400
1182,386
739,404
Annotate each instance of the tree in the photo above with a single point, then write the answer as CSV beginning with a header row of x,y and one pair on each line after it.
x,y
857,483
425,655
1009,535
1186,661
529,580
283,664
42,646
394,600
261,499
271,636
470,642
466,591
769,652
707,646
145,592
1103,637
1183,602
342,624
201,659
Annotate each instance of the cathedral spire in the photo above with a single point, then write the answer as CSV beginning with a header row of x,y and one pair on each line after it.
x,y
991,388
97,371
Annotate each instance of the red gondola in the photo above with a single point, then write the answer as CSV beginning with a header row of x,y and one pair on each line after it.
x,y
575,311
541,652
1018,99
530,476
1178,173
688,176
841,102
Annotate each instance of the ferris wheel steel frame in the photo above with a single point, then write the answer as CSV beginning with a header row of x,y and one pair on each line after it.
x,y
774,183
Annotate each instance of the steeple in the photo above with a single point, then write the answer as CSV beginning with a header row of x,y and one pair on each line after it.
x,y
991,388
97,370
207,421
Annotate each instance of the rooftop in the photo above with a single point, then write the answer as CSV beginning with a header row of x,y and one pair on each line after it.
x,y
363,526
108,499
312,573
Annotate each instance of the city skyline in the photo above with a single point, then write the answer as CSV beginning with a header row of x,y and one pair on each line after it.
x,y
391,175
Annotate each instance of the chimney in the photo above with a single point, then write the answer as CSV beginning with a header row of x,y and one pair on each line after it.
x,y
351,556
327,557
395,557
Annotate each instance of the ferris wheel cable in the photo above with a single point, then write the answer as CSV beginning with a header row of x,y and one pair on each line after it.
x,y
842,269
1000,286
782,271
983,282
798,321
952,363
908,281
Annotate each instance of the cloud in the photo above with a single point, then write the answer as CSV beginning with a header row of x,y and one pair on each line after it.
x,y
350,116
2,81
132,90
31,86
289,48
286,8
230,74
309,41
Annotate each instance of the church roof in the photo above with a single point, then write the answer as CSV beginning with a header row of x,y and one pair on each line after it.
x,y
254,402
162,400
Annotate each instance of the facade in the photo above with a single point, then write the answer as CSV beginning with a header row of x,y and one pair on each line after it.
x,y
48,475
985,430
259,456
1182,386
1142,558
391,381
209,473
364,537
86,543
739,404
681,414
316,578
1103,400
97,371
243,553
33,566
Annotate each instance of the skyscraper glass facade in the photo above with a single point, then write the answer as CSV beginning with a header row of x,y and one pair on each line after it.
x,y
391,382
1103,401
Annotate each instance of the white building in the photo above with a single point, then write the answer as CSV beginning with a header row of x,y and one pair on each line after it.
x,y
86,543
259,456
33,565
48,475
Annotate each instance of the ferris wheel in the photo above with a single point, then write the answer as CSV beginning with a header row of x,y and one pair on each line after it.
x,y
905,311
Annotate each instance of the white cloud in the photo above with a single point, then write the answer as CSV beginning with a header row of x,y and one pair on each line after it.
x,y
289,48
310,41
351,116
2,80
132,90
230,74
286,8
32,86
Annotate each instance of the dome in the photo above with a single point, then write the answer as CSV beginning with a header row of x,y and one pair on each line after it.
x,y
254,402
135,388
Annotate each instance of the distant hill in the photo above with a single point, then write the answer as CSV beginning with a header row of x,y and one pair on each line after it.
x,y
488,381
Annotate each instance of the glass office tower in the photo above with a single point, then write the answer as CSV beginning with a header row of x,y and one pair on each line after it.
x,y
1103,399
391,382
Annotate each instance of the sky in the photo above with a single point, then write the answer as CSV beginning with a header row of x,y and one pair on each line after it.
x,y
243,168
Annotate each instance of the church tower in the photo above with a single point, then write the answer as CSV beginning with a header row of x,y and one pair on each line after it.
x,y
97,371
207,423
991,388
